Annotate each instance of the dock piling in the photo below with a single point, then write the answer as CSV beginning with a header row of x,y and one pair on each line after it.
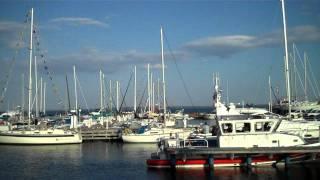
x,y
248,161
286,161
173,161
211,161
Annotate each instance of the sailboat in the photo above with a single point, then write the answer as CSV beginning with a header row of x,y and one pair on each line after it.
x,y
153,135
33,136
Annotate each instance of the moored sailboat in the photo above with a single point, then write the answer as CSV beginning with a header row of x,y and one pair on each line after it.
x,y
153,135
33,136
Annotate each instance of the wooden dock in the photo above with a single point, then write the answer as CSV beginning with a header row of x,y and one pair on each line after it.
x,y
101,134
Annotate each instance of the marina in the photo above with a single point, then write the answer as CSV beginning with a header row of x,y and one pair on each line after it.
x,y
225,95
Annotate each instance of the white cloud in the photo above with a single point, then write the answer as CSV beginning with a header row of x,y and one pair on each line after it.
x,y
91,60
79,21
10,33
224,46
9,26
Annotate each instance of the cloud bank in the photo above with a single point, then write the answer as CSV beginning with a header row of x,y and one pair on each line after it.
x,y
226,46
79,21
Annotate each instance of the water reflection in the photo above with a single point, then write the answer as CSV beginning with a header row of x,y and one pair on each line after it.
x,y
307,171
105,160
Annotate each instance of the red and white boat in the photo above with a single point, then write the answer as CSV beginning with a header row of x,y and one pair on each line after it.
x,y
225,161
251,142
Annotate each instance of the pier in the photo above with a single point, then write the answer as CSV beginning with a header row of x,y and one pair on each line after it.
x,y
256,150
214,157
101,134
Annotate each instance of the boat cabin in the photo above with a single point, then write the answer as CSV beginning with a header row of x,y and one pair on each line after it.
x,y
247,126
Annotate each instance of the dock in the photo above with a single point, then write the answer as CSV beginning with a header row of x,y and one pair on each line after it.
x,y
254,150
285,155
101,134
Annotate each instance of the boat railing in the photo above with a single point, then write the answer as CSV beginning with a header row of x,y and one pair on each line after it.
x,y
195,143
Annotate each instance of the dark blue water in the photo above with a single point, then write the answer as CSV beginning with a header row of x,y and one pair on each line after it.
x,y
105,160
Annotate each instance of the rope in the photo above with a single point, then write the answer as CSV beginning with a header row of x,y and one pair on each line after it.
x,y
81,91
125,92
13,61
179,72
49,73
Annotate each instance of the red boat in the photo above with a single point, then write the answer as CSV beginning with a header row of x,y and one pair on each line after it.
x,y
169,155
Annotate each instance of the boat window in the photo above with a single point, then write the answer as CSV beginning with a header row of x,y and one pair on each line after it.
x,y
258,126
262,126
227,128
267,126
243,127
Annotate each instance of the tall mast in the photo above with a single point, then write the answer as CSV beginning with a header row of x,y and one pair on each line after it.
x,y
110,95
270,97
149,94
44,98
158,91
104,92
305,76
286,58
117,89
36,83
41,95
75,88
227,92
152,96
30,71
101,91
22,98
163,80
135,90
295,72
69,108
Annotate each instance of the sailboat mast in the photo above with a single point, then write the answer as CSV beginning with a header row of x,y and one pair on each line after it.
x,y
163,80
149,94
22,100
117,94
41,95
270,97
135,89
101,91
36,83
75,88
110,95
44,98
104,92
69,108
30,70
305,77
286,58
158,98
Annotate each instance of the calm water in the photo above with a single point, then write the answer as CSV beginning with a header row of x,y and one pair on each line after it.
x,y
105,160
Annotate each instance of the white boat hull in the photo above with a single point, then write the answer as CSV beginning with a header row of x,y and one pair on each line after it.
x,y
153,138
39,138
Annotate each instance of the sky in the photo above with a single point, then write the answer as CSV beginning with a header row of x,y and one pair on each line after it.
x,y
242,40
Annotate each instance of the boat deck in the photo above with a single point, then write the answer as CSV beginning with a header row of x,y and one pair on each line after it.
x,y
255,150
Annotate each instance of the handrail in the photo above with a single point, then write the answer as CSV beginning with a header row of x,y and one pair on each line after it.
x,y
191,142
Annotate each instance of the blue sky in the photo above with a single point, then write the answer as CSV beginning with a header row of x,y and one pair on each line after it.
x,y
240,39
